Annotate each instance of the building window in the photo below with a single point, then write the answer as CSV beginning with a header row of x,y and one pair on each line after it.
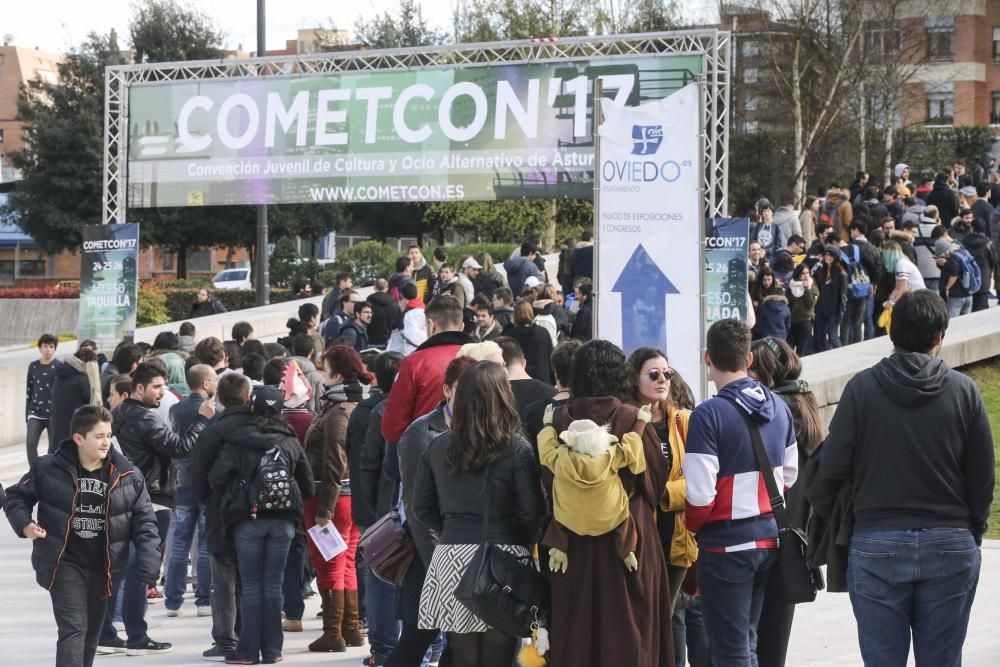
x,y
750,127
750,75
750,49
882,38
996,45
940,108
995,111
750,104
47,76
1,135
940,32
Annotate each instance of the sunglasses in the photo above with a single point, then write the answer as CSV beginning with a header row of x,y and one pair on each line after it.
x,y
654,374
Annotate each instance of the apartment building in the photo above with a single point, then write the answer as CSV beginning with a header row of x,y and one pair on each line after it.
x,y
19,66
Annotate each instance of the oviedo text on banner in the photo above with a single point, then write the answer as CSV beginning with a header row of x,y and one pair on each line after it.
x,y
649,217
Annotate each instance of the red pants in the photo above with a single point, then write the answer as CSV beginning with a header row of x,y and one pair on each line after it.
x,y
336,574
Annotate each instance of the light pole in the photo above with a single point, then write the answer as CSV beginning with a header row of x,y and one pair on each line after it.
x,y
263,287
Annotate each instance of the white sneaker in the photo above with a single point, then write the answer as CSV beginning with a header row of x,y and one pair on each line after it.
x,y
119,626
174,613
205,610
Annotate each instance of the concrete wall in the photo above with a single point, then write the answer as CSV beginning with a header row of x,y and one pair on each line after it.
x,y
268,323
26,319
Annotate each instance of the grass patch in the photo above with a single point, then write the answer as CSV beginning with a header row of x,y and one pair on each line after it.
x,y
987,376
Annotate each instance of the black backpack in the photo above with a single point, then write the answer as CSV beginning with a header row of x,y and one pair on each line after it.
x,y
271,487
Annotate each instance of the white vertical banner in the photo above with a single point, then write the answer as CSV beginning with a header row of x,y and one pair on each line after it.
x,y
649,230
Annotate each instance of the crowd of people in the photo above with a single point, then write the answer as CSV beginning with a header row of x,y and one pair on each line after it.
x,y
490,426
829,275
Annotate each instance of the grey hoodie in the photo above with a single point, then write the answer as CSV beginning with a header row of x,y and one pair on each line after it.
x,y
915,438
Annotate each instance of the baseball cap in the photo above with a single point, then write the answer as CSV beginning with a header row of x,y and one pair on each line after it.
x,y
471,263
532,281
267,399
967,191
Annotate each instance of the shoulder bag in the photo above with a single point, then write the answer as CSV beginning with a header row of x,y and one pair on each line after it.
x,y
793,580
387,548
507,592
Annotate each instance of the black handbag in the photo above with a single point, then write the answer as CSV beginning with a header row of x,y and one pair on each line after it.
x,y
507,592
793,580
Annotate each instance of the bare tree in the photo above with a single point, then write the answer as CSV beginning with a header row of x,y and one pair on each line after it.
x,y
812,46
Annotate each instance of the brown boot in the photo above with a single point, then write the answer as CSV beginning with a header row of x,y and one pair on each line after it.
x,y
351,627
331,640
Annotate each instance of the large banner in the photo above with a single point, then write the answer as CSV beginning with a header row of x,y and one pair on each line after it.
x,y
497,132
108,283
726,269
649,217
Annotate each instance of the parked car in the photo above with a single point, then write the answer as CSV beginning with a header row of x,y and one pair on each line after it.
x,y
232,279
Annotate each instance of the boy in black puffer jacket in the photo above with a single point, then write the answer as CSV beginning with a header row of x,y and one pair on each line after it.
x,y
91,504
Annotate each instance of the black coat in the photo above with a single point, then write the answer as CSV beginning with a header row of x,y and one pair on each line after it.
x,y
70,390
981,249
239,463
832,300
355,334
945,199
536,343
583,325
379,481
206,453
452,505
410,450
212,307
51,483
150,444
357,428
386,316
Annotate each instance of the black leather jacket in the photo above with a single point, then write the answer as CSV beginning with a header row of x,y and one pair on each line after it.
x,y
363,513
150,445
452,505
410,449
51,483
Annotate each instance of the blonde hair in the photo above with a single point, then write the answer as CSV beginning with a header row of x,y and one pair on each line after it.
x,y
485,351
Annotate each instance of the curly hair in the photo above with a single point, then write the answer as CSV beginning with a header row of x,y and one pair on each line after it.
x,y
485,423
608,374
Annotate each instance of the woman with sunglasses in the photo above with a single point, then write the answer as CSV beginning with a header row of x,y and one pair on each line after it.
x,y
777,367
652,375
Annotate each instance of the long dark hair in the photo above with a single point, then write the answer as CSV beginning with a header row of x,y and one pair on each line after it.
x,y
606,373
485,423
774,368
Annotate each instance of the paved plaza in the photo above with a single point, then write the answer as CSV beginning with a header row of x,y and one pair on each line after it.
x,y
824,634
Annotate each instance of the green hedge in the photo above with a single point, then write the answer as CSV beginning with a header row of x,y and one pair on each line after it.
x,y
365,262
178,301
498,251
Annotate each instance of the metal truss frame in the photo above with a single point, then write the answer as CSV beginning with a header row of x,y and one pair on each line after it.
x,y
714,46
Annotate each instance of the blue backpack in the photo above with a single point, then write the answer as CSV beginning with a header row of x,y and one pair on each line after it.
x,y
860,285
972,277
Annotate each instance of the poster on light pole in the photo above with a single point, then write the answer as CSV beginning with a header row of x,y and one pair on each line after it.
x,y
108,284
649,230
726,269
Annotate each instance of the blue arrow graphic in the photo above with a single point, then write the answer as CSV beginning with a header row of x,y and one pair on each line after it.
x,y
644,289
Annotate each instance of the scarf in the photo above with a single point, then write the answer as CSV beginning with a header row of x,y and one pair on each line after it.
x,y
352,391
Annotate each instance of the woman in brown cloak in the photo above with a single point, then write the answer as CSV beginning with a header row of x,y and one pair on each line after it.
x,y
602,614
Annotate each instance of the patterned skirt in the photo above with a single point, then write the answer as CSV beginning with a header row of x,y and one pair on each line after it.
x,y
439,609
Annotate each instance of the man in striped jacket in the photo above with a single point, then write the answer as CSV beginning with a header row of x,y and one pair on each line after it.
x,y
728,507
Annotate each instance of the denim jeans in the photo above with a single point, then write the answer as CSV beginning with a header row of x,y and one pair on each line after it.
x,y
870,317
919,581
826,326
225,586
188,518
690,640
33,433
851,327
383,627
261,549
78,605
134,603
292,592
732,589
959,305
